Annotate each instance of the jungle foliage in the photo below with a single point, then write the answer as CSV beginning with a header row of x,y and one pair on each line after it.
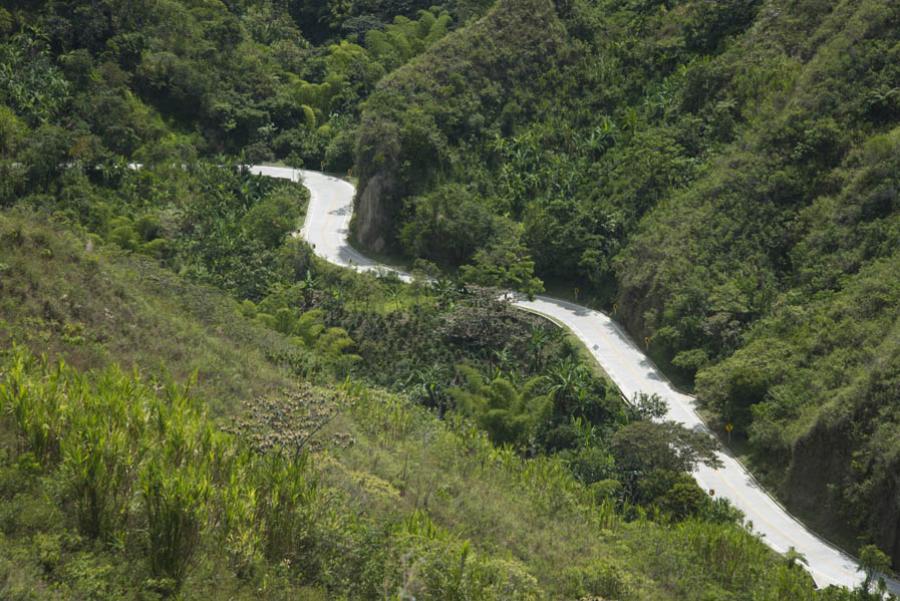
x,y
347,435
722,174
116,485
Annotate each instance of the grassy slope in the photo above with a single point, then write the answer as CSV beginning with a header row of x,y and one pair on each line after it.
x,y
95,308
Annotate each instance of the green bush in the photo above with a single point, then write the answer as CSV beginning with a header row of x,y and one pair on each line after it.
x,y
273,217
599,580
509,415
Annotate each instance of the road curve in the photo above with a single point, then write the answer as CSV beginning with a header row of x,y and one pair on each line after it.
x,y
326,228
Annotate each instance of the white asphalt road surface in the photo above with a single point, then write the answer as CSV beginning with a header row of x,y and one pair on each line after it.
x,y
327,228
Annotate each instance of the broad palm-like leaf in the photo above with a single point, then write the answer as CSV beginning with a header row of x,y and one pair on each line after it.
x,y
509,414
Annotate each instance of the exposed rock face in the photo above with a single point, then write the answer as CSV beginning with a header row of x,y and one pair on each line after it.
x,y
373,217
819,477
817,459
378,193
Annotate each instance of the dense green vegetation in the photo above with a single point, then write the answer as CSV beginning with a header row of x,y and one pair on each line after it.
x,y
92,83
723,173
115,485
286,428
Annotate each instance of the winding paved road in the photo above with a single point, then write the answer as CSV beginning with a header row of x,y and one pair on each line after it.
x,y
327,228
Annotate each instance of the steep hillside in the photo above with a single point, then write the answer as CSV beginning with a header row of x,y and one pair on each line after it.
x,y
723,175
93,82
116,485
457,94
352,436
63,296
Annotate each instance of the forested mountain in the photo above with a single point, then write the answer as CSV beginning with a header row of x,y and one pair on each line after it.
x,y
723,175
225,77
193,405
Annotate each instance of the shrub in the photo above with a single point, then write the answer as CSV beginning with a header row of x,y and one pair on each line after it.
x,y
174,503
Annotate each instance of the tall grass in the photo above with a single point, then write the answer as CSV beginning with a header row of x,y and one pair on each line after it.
x,y
123,454
133,463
